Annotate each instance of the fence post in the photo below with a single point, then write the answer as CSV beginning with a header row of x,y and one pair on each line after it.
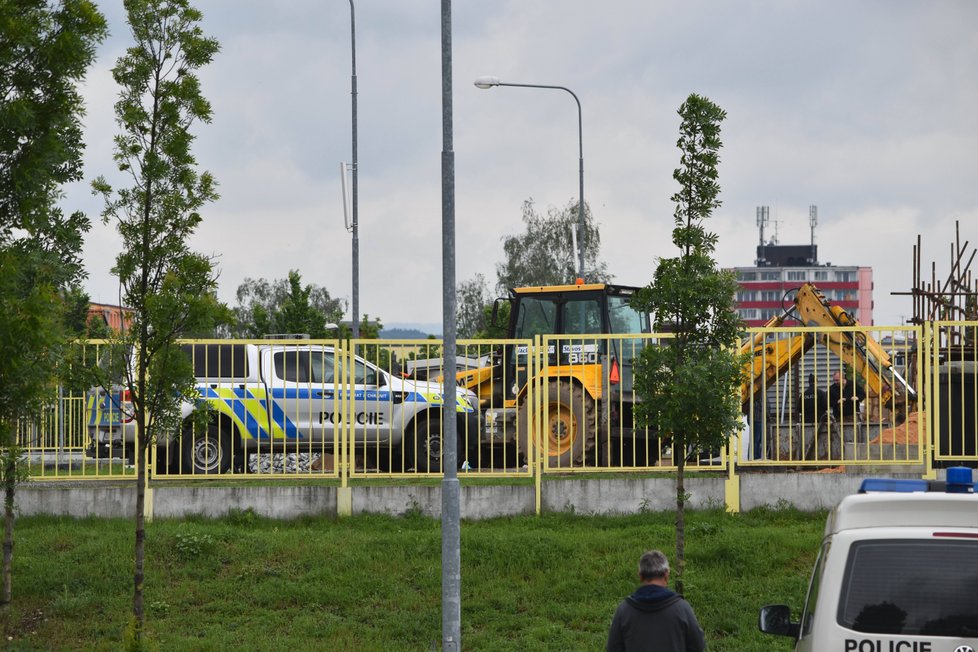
x,y
928,417
731,486
343,449
534,401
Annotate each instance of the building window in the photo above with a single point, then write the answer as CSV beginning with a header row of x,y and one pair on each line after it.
x,y
770,276
748,313
770,295
845,277
821,275
746,276
797,276
743,297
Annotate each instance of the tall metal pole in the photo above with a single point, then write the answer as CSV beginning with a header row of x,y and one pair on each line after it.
x,y
580,196
451,573
489,82
356,224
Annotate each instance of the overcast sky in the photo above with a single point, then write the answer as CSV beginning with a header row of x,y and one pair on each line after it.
x,y
865,109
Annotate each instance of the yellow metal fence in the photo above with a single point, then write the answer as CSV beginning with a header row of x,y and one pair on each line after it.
x,y
531,408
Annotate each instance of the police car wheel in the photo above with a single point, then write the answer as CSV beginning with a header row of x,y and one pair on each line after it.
x,y
427,446
208,452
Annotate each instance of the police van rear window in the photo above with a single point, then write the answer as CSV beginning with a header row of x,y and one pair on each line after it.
x,y
911,587
218,360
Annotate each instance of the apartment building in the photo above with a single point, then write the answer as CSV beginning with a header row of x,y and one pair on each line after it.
x,y
766,288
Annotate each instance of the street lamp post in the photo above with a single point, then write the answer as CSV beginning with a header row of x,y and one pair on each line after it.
x,y
356,224
488,82
451,541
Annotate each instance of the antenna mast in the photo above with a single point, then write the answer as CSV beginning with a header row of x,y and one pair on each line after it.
x,y
812,223
763,217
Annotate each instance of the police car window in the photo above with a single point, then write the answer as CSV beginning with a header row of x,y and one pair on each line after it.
x,y
218,360
322,367
364,375
911,587
808,614
292,366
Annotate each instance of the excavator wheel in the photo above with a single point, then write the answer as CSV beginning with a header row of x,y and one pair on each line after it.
x,y
569,427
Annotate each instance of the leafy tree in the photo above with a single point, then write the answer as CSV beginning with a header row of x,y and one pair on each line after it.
x,y
170,288
369,328
472,300
543,255
495,328
79,322
285,306
45,51
689,386
32,337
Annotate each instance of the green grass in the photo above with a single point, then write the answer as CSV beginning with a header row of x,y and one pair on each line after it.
x,y
374,582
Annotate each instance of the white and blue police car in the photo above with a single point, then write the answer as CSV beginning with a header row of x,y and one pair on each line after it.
x,y
897,571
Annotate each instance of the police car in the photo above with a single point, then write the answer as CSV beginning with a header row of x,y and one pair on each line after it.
x,y
897,572
267,398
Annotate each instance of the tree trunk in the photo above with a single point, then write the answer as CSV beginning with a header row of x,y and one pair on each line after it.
x,y
10,482
138,614
679,447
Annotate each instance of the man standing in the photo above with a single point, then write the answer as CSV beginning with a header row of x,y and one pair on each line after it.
x,y
653,617
845,398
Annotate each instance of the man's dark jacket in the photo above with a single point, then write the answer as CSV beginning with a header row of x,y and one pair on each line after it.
x,y
655,619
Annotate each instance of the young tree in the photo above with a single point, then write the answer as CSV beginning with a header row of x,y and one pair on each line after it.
x,y
689,386
285,306
170,288
46,51
543,255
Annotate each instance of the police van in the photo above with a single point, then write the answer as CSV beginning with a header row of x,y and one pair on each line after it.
x,y
284,398
897,572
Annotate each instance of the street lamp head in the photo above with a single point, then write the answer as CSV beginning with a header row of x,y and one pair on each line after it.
x,y
487,81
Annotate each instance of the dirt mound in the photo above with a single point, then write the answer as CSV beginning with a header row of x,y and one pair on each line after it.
x,y
905,433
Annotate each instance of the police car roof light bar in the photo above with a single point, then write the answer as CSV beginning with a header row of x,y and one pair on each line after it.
x,y
959,481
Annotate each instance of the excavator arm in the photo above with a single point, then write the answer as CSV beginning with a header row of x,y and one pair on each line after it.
x,y
770,359
865,354
867,357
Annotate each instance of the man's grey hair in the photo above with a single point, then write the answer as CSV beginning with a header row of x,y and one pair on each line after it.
x,y
653,565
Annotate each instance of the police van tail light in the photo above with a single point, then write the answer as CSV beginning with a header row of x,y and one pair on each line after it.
x,y
959,481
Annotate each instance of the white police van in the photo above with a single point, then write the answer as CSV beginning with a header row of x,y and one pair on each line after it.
x,y
897,572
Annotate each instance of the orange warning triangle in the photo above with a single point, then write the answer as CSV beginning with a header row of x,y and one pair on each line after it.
x,y
613,377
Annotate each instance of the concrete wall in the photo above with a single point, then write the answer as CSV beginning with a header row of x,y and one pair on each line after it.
x,y
806,491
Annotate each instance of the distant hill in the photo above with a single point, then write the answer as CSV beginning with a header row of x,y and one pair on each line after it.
x,y
403,334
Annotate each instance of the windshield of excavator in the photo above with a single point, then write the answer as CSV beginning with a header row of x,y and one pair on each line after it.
x,y
535,316
625,319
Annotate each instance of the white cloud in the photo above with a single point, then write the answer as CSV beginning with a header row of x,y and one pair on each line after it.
x,y
864,109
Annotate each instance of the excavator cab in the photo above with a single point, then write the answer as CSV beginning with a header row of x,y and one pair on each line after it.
x,y
587,378
575,310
